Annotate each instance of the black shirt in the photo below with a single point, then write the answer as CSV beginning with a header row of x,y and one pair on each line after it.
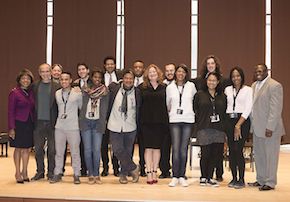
x,y
153,108
203,108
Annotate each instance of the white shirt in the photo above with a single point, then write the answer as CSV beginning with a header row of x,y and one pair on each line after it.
x,y
173,101
138,80
167,82
244,100
113,78
260,84
117,121
84,81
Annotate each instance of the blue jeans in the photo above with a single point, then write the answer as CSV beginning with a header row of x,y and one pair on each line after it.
x,y
122,144
180,134
92,141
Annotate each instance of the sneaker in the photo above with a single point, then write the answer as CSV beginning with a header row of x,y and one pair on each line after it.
x,y
212,183
240,184
173,182
91,180
202,181
135,174
55,179
37,176
123,179
98,180
76,179
183,182
232,183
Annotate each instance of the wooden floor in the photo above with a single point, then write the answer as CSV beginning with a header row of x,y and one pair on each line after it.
x,y
111,190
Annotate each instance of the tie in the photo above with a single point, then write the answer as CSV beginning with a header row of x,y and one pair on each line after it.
x,y
110,79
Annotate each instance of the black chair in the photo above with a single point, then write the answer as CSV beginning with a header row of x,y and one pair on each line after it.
x,y
4,139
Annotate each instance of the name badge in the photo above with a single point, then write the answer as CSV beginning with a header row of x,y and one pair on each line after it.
x,y
91,114
63,116
179,111
215,118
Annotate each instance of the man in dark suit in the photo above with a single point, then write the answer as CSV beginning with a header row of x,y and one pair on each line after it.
x,y
123,113
138,70
111,75
267,127
46,113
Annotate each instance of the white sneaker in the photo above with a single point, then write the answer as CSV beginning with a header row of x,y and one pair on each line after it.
x,y
173,182
202,182
183,182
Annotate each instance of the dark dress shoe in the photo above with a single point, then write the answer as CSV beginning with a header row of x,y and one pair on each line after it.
x,y
20,181
164,175
105,173
143,173
254,184
219,179
37,176
26,180
265,188
116,173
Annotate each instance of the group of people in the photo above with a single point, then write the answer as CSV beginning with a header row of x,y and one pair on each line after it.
x,y
104,106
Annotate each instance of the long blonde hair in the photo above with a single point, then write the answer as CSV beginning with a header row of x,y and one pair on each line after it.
x,y
146,82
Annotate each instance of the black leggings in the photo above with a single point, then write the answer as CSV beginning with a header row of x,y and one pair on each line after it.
x,y
236,156
209,156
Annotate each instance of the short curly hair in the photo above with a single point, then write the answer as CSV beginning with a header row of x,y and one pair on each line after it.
x,y
22,73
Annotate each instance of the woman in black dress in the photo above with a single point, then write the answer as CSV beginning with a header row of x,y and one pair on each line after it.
x,y
20,122
154,119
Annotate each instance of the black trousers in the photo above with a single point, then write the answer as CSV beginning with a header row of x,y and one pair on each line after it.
x,y
164,163
236,156
105,155
42,133
219,166
209,156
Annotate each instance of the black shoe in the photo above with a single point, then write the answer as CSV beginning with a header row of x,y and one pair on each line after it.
x,y
266,188
240,184
116,172
185,177
164,175
105,172
254,184
37,176
219,179
84,173
20,181
76,179
143,173
50,176
232,183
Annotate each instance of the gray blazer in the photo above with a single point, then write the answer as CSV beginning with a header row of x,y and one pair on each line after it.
x,y
267,109
104,103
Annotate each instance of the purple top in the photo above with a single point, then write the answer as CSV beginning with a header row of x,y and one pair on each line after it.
x,y
20,106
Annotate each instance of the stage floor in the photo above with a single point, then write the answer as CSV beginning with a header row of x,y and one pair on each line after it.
x,y
111,190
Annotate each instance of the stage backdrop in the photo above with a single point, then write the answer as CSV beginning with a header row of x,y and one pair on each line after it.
x,y
280,54
83,31
234,31
157,31
23,44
